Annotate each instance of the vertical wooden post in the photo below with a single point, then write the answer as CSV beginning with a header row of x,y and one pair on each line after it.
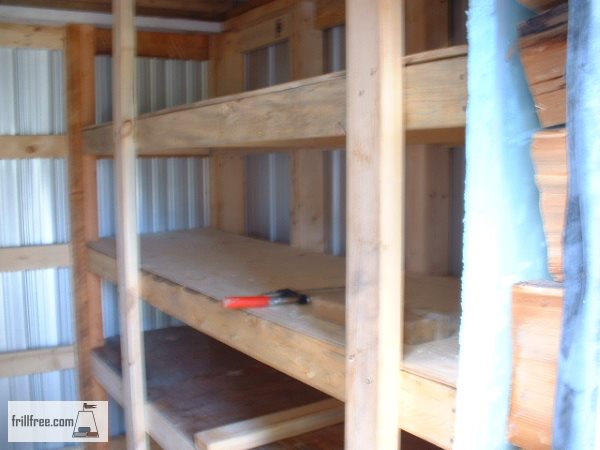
x,y
228,169
306,48
427,166
80,59
124,110
375,152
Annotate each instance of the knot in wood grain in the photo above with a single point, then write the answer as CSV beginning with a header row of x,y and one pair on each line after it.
x,y
126,128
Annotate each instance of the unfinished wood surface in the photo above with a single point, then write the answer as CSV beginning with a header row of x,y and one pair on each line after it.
x,y
428,192
308,181
197,384
330,13
273,427
427,25
375,223
27,362
549,152
264,10
306,347
543,46
228,198
46,146
15,259
541,5
431,307
32,36
80,70
267,32
310,113
537,323
130,304
193,46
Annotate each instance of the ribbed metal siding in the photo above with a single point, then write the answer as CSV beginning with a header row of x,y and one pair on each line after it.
x,y
335,160
36,307
268,176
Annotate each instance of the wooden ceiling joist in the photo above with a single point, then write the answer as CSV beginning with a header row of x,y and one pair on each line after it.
x,y
189,9
159,45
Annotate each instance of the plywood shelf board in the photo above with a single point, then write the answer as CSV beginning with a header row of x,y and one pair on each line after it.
x,y
195,383
310,113
300,344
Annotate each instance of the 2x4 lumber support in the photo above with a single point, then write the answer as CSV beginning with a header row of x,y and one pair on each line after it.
x,y
272,427
374,298
16,35
14,259
84,210
43,146
27,362
130,310
185,46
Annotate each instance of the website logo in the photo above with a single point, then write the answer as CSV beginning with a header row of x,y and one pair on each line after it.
x,y
84,421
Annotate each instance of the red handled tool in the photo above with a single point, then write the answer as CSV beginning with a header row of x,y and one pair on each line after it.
x,y
280,297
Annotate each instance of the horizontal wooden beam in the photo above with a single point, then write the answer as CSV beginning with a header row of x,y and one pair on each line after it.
x,y
192,46
301,114
27,362
33,146
271,428
31,36
15,259
330,13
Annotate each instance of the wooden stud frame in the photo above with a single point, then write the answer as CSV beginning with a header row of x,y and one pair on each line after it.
x,y
130,311
375,152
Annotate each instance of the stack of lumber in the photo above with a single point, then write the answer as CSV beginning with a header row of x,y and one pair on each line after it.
x,y
549,152
537,312
543,46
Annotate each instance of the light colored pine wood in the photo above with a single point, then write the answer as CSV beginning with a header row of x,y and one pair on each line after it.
x,y
540,5
273,427
32,36
311,113
47,146
27,362
330,13
308,182
375,227
80,69
194,46
428,190
537,323
550,155
130,307
543,46
301,345
228,170
264,33
14,259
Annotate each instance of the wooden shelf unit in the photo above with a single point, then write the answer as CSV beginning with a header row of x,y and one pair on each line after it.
x,y
309,113
186,273
197,388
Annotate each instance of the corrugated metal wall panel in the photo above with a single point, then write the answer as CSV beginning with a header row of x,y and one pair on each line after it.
x,y
268,176
33,91
335,161
36,308
172,192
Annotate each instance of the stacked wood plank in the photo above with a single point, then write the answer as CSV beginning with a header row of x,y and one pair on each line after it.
x,y
543,46
549,152
537,312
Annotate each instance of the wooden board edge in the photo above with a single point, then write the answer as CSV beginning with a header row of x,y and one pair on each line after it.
x,y
15,259
27,362
272,427
34,146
